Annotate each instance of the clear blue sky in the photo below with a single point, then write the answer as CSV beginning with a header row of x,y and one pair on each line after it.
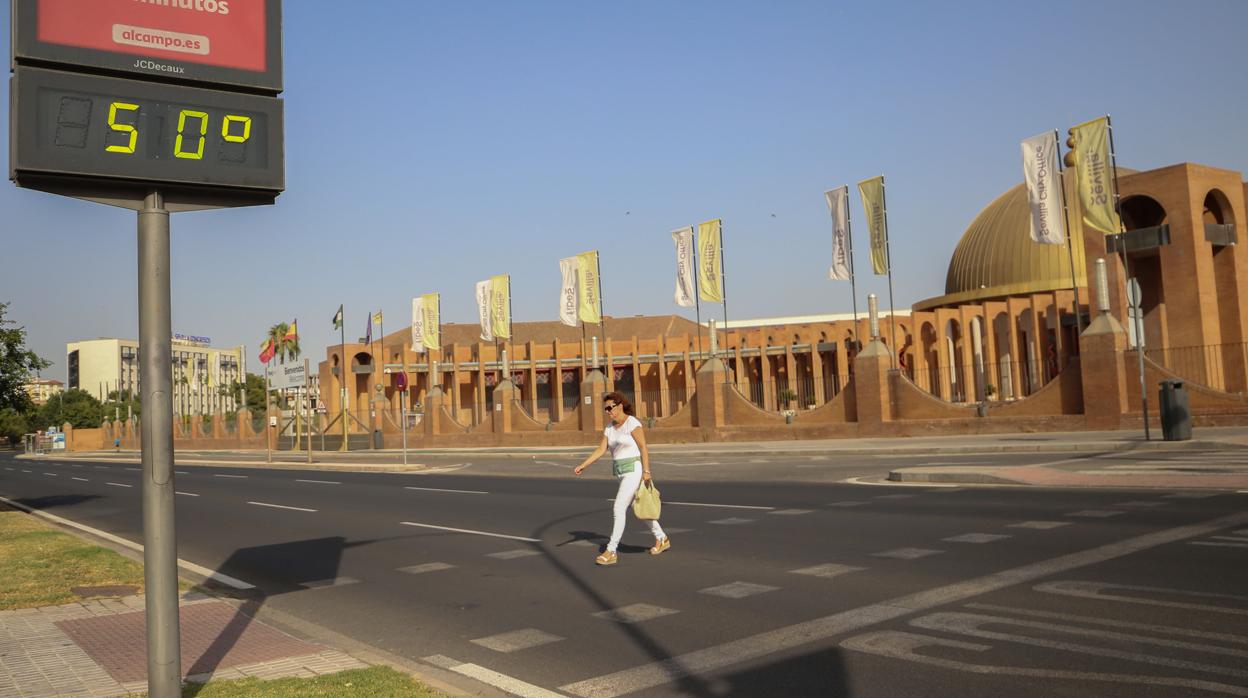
x,y
430,145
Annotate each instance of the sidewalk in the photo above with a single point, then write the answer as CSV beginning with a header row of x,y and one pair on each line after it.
x,y
97,648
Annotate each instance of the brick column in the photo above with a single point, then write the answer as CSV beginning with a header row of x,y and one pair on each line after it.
x,y
873,395
434,400
592,390
1102,366
504,394
712,381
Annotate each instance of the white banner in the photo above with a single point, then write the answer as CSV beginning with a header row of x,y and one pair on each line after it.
x,y
685,289
484,307
418,325
842,246
284,376
1044,194
568,299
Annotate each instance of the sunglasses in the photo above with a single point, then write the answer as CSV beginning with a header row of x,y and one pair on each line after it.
x,y
608,408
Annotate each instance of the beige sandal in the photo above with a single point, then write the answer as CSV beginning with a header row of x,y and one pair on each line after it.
x,y
661,545
607,558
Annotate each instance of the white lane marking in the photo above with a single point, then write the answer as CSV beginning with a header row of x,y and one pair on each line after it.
x,y
895,496
1237,539
734,521
181,472
557,465
848,504
516,640
186,494
1040,525
320,482
197,569
635,613
332,582
874,481
970,624
1158,629
1139,504
827,571
75,465
738,590
710,659
133,468
51,474
1190,495
789,512
475,533
25,471
1095,513
117,484
9,469
101,467
722,506
281,506
427,567
81,479
435,489
1220,545
901,645
976,538
907,553
234,476
1092,590
503,682
513,554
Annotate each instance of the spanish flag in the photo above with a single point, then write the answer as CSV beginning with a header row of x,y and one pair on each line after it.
x,y
292,333
267,351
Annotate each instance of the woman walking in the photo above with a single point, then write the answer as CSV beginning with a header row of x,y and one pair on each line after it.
x,y
631,465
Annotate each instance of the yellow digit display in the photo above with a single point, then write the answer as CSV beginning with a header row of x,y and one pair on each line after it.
x,y
232,119
203,130
123,128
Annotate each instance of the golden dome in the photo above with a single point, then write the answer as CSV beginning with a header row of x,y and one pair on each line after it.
x,y
996,256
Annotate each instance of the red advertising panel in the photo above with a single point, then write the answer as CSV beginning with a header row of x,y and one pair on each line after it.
x,y
223,42
225,33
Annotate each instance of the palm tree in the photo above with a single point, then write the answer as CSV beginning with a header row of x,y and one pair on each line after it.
x,y
284,348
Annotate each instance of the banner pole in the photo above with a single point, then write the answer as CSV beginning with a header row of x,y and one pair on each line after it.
x,y
888,261
853,278
1070,238
697,294
723,279
1126,269
342,333
602,316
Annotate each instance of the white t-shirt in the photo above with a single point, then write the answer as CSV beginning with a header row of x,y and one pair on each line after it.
x,y
620,439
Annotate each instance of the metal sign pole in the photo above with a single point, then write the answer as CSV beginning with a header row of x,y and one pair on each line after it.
x,y
307,393
403,414
160,554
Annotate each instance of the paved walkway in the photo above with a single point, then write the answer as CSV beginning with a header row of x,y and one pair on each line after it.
x,y
96,648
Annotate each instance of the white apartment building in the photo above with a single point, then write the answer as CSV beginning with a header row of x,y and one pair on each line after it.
x,y
202,376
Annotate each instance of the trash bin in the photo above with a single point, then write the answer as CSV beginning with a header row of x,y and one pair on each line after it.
x,y
377,439
1176,413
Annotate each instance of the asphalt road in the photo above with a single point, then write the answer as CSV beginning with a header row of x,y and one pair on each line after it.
x,y
781,579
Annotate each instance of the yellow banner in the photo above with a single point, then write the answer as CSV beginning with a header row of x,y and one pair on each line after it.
x,y
1090,152
710,262
500,300
872,192
590,307
431,310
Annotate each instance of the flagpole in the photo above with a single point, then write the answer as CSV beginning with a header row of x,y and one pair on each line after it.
x,y
853,283
381,327
888,260
723,282
1070,238
602,317
1126,270
697,300
342,330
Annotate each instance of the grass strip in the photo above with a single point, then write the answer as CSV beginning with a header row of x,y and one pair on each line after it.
x,y
39,565
374,681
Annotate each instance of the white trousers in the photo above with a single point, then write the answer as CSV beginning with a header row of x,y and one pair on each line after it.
x,y
629,483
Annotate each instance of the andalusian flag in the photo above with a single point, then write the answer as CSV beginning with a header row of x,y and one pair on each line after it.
x,y
589,287
431,309
710,262
500,302
338,319
1089,156
872,191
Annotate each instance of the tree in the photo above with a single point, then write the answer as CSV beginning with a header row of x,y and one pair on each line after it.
x,y
121,404
76,407
255,393
17,363
12,425
284,348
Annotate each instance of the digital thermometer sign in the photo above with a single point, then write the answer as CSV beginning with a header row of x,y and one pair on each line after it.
x,y
144,133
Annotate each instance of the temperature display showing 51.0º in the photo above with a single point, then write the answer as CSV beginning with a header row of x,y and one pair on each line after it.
x,y
93,126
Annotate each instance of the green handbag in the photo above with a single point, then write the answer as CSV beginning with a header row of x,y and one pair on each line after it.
x,y
646,505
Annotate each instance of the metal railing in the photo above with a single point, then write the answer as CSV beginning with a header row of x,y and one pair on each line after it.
x,y
1218,366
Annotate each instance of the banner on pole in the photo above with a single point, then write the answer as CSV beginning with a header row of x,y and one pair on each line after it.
x,y
590,306
710,262
872,192
418,324
1044,193
567,294
683,240
842,246
431,309
1090,155
484,306
500,298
